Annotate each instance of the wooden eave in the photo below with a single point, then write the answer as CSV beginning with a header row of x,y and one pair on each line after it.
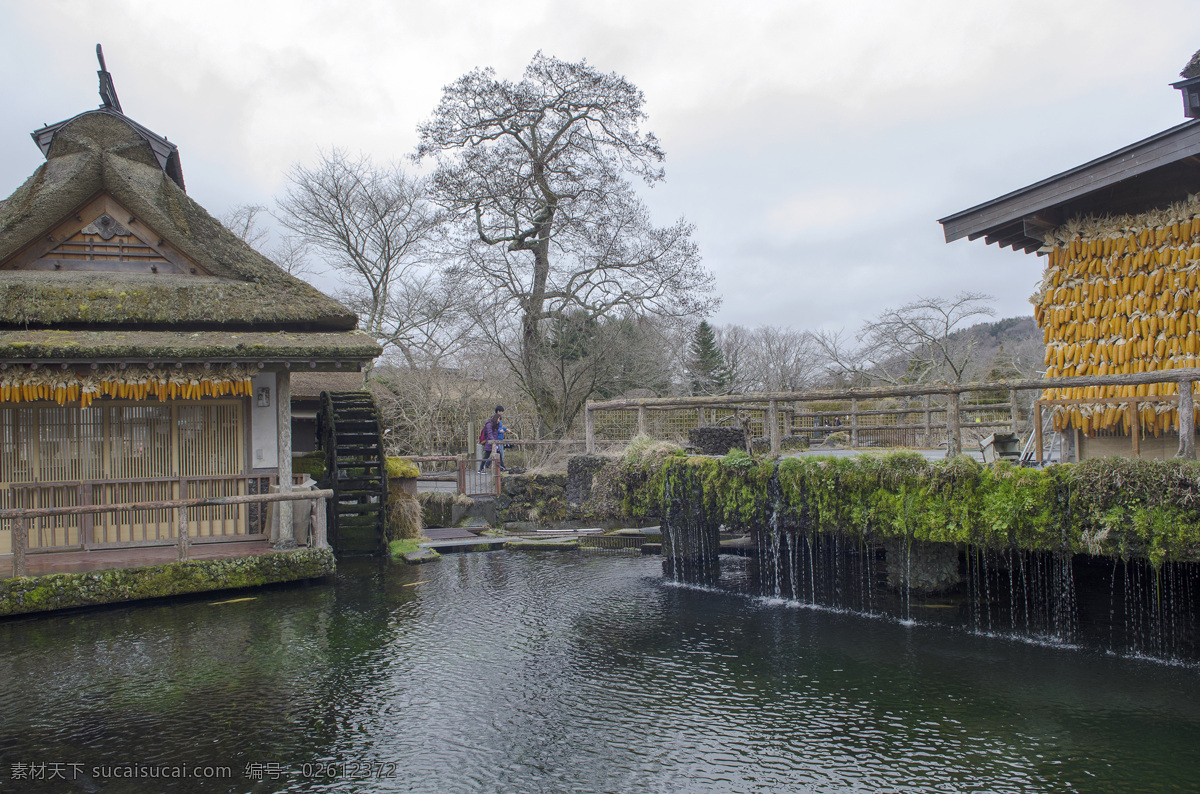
x,y
1153,172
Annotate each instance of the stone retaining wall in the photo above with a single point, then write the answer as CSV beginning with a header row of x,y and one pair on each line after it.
x,y
91,588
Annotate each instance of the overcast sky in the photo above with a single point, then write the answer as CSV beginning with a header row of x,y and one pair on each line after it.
x,y
813,144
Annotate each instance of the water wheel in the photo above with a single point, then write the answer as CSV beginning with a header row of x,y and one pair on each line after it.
x,y
349,432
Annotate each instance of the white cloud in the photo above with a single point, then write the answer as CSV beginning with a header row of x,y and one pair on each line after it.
x,y
813,143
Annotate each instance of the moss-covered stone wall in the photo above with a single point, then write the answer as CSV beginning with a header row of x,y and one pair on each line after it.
x,y
90,588
535,497
1131,509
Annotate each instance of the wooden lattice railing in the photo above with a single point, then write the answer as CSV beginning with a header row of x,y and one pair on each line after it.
x,y
780,409
19,519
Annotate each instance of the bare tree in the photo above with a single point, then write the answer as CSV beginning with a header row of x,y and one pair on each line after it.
x,y
377,225
242,220
915,343
535,176
285,250
785,359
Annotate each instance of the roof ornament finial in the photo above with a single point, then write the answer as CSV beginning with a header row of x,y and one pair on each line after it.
x,y
108,94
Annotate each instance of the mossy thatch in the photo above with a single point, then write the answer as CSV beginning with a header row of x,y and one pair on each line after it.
x,y
42,299
404,516
402,469
99,153
180,345
1193,67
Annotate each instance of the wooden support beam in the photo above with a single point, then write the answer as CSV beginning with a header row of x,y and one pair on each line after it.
x,y
283,413
853,423
589,429
1187,422
642,420
320,531
181,535
928,425
1037,431
953,436
773,418
1015,412
20,541
1134,429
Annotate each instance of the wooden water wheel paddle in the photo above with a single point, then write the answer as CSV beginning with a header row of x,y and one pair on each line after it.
x,y
349,432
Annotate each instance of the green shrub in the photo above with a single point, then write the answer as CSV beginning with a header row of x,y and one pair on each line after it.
x,y
312,464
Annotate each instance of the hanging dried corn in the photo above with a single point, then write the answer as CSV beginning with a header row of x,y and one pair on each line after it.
x,y
18,384
1121,295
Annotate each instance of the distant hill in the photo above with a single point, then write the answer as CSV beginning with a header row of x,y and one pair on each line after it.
x,y
1008,348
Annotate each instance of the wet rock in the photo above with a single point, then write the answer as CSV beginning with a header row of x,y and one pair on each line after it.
x,y
716,440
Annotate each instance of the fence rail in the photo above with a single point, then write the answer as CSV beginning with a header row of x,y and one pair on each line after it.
x,y
119,529
467,480
20,517
782,413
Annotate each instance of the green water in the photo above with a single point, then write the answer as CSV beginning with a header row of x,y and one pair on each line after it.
x,y
568,672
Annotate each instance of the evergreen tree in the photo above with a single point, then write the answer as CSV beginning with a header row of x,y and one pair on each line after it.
x,y
706,365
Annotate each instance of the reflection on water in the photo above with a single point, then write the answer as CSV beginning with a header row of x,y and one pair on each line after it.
x,y
576,672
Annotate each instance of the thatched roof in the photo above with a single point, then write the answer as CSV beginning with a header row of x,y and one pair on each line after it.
x,y
309,385
1193,67
249,346
101,152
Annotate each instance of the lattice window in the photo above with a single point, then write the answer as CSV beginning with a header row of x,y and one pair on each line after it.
x,y
103,236
210,439
114,453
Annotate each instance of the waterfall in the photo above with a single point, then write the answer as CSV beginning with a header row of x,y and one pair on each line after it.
x,y
1046,596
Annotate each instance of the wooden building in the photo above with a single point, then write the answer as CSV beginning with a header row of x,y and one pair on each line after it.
x,y
306,403
145,351
1121,241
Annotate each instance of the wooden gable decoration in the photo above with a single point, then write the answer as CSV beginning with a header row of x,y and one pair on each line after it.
x,y
103,236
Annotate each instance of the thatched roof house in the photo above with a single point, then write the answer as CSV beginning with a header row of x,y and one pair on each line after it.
x,y
145,350
1121,237
101,239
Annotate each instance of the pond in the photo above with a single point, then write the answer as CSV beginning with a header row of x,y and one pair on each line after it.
x,y
587,672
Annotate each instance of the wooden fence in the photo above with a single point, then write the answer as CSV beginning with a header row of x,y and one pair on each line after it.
x,y
940,414
21,517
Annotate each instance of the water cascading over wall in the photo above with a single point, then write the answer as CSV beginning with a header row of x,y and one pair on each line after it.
x,y
1102,554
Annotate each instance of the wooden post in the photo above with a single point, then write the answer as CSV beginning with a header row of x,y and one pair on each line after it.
x,y
928,423
181,536
1037,430
642,420
773,418
1015,411
462,472
1135,430
953,433
589,429
20,540
1187,422
853,423
87,523
699,417
320,539
283,413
